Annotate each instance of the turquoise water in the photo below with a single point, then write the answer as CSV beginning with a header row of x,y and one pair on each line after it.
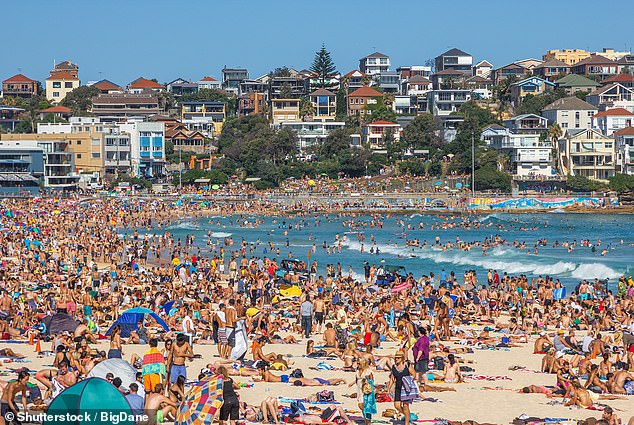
x,y
615,232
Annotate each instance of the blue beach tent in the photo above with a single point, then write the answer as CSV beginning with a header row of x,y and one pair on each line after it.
x,y
129,319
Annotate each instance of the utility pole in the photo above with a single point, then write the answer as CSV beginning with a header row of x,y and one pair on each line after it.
x,y
180,167
472,167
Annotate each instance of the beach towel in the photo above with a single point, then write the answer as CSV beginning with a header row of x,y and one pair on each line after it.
x,y
369,402
153,368
489,378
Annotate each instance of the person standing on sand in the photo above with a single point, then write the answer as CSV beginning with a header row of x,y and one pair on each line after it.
x,y
306,313
400,370
180,351
7,404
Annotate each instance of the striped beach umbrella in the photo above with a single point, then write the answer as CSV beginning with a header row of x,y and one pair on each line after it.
x,y
201,403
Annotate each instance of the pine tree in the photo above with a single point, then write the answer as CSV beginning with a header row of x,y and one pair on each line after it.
x,y
323,66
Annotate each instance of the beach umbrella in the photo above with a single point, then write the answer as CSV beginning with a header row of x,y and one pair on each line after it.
x,y
201,403
118,367
438,183
311,183
458,185
86,402
215,187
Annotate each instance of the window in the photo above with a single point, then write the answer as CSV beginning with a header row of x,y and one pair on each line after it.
x,y
57,84
96,155
608,145
78,156
564,125
55,94
68,85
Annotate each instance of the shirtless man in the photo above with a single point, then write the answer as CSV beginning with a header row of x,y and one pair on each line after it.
x,y
231,317
158,407
542,344
83,331
330,336
622,383
65,377
594,383
222,330
7,404
180,351
319,307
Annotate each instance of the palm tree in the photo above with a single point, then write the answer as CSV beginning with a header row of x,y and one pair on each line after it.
x,y
554,132
306,108
388,100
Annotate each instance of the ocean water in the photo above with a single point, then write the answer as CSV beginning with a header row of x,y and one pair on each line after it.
x,y
296,236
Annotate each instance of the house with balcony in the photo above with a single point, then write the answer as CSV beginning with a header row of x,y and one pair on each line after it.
x,y
568,56
9,117
527,124
416,86
375,134
147,147
362,100
448,79
573,83
312,134
120,107
203,115
406,104
324,105
20,86
374,64
117,151
232,77
529,157
143,85
354,80
626,80
107,87
58,112
21,167
414,71
626,64
570,112
587,153
610,96
596,66
390,81
534,86
59,162
298,86
624,141
251,103
66,66
454,59
209,83
611,120
180,86
551,69
481,87
284,110
444,102
185,139
482,69
511,70
59,84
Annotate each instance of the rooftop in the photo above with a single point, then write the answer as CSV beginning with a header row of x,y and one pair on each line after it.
x,y
616,112
365,91
144,83
575,80
627,131
56,110
62,75
595,60
569,103
455,52
19,78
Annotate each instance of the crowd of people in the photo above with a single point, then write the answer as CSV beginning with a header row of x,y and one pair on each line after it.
x,y
91,260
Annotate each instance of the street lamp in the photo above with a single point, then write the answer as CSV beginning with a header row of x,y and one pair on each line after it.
x,y
472,167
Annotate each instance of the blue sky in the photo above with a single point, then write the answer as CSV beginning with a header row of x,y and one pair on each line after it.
x,y
123,39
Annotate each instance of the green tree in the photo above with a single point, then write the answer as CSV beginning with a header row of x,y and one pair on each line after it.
x,y
622,183
306,108
80,99
583,184
490,178
337,142
341,107
282,145
323,66
286,91
555,133
423,132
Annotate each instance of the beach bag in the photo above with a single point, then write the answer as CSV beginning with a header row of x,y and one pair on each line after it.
x,y
409,390
366,386
297,373
326,396
439,363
